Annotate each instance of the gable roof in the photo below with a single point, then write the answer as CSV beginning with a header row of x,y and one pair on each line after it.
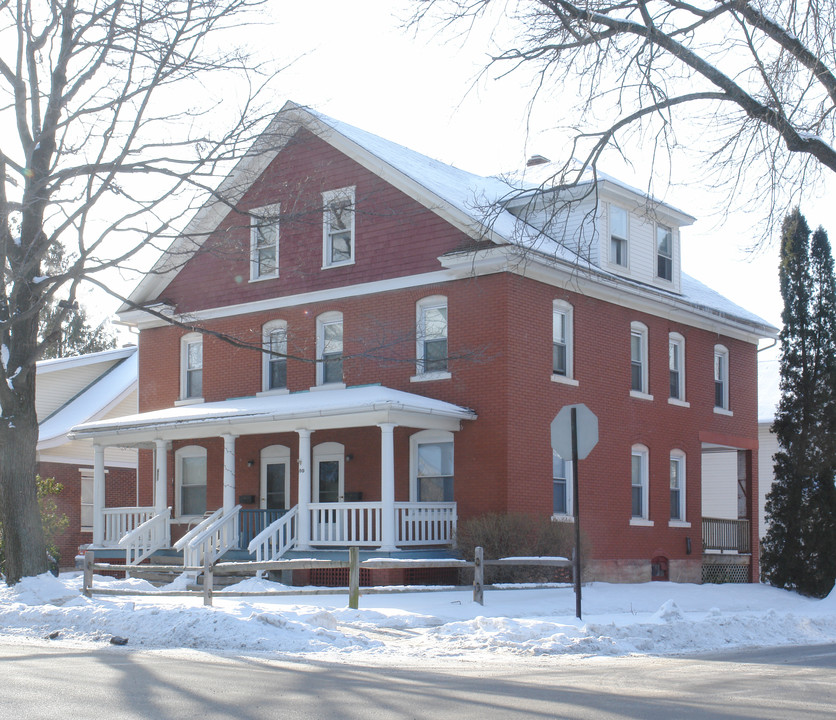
x,y
475,204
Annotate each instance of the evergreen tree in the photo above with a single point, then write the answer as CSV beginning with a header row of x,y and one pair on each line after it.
x,y
798,550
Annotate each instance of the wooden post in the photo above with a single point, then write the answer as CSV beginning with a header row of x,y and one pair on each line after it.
x,y
87,582
354,578
479,576
207,581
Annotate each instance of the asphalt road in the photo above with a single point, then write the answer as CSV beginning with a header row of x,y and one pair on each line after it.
x,y
104,684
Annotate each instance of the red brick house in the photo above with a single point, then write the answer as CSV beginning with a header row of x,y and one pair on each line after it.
x,y
79,389
375,345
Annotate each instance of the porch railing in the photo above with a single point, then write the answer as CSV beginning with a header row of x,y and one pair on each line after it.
x,y
184,541
277,538
212,542
721,534
119,521
425,523
144,540
345,523
252,522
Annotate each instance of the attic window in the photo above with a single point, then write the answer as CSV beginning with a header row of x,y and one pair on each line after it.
x,y
338,227
664,253
264,243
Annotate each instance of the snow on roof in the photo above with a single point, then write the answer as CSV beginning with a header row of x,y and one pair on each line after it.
x,y
295,406
92,400
57,364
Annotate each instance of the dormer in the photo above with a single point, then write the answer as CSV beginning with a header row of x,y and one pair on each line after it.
x,y
607,224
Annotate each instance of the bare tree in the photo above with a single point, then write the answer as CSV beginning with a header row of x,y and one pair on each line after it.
x,y
103,132
749,84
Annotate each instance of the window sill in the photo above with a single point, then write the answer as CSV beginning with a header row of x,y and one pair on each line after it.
x,y
723,411
274,391
327,386
339,264
641,522
640,395
427,377
678,524
261,278
563,380
188,401
678,403
563,518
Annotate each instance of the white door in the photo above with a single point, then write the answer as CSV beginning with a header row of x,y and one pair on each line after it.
x,y
328,487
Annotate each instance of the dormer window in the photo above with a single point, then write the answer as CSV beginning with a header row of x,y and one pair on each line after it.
x,y
338,227
618,235
664,253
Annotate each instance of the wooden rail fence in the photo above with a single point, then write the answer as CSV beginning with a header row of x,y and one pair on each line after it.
x,y
209,570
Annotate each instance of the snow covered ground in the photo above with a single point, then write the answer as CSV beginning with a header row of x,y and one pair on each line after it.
x,y
653,618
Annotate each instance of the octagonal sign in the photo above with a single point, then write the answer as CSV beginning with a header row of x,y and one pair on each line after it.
x,y
587,423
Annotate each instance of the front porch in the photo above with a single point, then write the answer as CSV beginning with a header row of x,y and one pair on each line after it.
x,y
326,513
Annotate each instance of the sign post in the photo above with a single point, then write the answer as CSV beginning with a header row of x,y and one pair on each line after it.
x,y
574,434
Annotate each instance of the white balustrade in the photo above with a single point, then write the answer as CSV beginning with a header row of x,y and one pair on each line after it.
x,y
277,538
197,529
425,523
345,523
119,521
213,541
144,540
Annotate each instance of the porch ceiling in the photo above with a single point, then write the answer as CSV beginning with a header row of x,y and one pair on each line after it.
x,y
310,410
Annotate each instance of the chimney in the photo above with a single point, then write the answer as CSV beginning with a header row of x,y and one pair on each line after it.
x,y
537,160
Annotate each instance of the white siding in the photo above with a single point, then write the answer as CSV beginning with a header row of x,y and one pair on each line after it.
x,y
768,446
719,485
56,388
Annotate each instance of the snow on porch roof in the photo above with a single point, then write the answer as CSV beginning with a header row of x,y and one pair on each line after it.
x,y
271,413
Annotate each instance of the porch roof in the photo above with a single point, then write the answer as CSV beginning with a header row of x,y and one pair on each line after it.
x,y
273,413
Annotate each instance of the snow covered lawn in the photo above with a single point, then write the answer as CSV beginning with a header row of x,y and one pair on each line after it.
x,y
653,618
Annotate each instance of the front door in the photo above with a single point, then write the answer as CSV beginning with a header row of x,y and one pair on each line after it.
x,y
329,487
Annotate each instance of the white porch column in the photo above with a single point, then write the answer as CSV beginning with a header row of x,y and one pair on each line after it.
x,y
161,479
98,495
304,516
387,485
229,473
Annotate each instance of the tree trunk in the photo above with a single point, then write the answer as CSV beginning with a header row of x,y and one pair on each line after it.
x,y
23,536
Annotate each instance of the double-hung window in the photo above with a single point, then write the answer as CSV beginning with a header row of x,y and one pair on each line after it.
x,y
619,222
275,355
431,335
562,340
338,227
664,253
721,378
434,478
191,480
191,366
677,486
639,482
638,358
561,486
329,344
676,366
264,243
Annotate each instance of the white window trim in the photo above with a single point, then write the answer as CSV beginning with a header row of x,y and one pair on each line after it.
x,y
569,515
85,476
561,307
644,519
185,341
678,340
424,304
327,198
271,212
266,330
610,258
680,457
274,455
187,451
638,328
656,254
425,437
721,351
327,318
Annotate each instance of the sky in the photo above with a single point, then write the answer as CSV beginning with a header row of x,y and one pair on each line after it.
x,y
358,63
413,628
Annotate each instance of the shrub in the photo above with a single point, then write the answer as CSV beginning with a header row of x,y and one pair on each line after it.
x,y
517,535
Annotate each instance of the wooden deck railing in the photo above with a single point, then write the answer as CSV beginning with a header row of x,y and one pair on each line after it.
x,y
721,534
